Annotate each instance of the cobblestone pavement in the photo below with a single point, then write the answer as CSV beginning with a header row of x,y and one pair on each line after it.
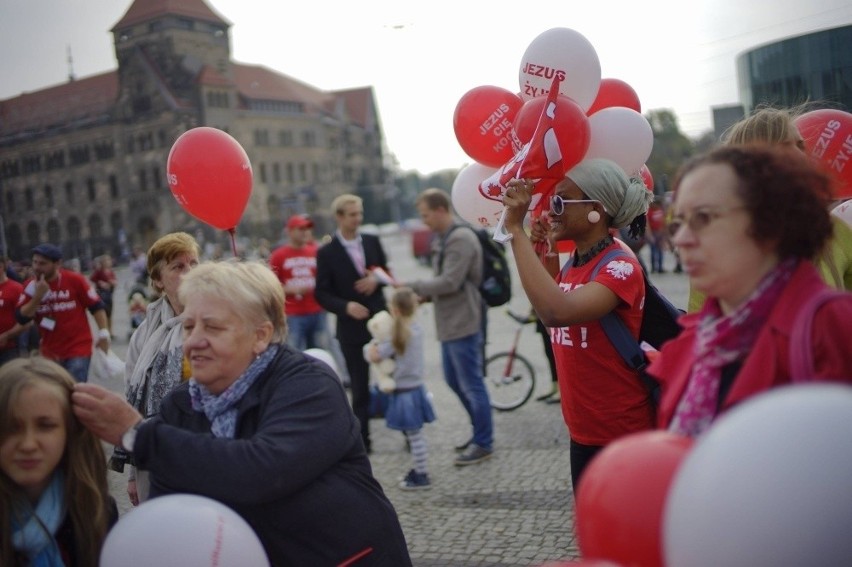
x,y
515,509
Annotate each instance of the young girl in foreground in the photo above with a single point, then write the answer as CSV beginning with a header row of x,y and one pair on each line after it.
x,y
409,406
55,507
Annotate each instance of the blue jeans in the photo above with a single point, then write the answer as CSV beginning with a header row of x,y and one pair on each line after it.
x,y
78,367
308,331
462,360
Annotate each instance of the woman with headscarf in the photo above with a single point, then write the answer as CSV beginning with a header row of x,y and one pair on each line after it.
x,y
602,398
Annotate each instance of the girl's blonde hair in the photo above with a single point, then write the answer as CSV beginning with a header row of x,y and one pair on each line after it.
x,y
404,303
84,463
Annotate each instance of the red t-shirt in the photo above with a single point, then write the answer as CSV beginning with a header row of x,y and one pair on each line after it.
x,y
61,317
656,219
602,398
10,296
297,267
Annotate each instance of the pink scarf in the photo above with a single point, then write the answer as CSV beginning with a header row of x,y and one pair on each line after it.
x,y
720,340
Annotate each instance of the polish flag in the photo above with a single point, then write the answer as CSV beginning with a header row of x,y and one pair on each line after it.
x,y
540,159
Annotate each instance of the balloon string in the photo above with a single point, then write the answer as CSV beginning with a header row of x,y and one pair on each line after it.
x,y
233,233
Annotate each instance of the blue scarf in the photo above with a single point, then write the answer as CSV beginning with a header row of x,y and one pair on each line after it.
x,y
33,531
221,410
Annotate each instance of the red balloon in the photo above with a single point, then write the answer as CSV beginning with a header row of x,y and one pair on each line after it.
x,y
210,175
615,92
570,124
622,495
483,124
828,138
647,178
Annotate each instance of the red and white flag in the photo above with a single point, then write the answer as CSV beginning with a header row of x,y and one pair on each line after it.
x,y
540,159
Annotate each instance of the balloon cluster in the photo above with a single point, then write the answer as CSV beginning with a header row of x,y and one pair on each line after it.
x,y
767,484
504,132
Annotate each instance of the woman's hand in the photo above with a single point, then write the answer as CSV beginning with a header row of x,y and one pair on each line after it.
x,y
104,413
540,229
517,202
132,492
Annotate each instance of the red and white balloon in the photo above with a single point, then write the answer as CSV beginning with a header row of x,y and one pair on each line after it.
x,y
483,122
828,137
565,51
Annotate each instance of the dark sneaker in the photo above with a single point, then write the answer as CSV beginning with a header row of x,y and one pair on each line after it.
x,y
546,397
463,447
406,476
415,481
472,455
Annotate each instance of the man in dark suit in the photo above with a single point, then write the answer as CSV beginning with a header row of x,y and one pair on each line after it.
x,y
346,287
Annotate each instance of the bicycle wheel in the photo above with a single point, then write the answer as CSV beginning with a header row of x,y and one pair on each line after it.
x,y
510,381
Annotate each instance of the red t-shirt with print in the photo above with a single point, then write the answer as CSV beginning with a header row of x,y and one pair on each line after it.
x,y
602,398
297,267
61,318
10,296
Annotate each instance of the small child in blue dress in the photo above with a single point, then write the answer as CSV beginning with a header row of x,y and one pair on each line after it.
x,y
409,406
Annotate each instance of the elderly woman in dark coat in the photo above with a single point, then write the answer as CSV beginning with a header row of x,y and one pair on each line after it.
x,y
260,427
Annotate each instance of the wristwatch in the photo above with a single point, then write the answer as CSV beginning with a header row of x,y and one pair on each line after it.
x,y
128,440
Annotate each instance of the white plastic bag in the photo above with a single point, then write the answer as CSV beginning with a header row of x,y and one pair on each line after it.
x,y
106,367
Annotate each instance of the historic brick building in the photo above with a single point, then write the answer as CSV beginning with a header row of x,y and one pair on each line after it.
x,y
83,164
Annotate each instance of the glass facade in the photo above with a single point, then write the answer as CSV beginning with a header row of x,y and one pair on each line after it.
x,y
814,68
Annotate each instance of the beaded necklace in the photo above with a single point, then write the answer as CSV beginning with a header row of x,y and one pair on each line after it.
x,y
586,257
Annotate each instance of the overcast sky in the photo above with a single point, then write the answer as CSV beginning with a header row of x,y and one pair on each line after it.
x,y
421,58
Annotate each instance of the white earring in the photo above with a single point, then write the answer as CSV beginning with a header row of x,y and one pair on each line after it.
x,y
593,217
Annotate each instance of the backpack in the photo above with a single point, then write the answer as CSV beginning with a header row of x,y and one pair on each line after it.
x,y
496,285
659,324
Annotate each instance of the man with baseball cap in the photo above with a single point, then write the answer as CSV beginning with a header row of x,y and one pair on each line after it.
x,y
295,264
57,299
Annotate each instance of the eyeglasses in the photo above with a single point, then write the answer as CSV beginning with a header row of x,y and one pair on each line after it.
x,y
557,203
699,219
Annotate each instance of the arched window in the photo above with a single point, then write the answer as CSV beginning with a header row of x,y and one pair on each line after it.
x,y
73,228
95,226
33,233
54,235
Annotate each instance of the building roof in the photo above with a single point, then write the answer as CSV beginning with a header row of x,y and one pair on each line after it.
x,y
144,10
259,82
85,100
359,106
76,101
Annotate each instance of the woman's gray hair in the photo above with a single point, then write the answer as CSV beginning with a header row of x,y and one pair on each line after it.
x,y
623,198
251,287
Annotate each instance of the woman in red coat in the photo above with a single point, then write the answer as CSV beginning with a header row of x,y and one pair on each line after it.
x,y
747,220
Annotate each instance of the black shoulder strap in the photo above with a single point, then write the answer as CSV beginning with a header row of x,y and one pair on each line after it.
x,y
615,329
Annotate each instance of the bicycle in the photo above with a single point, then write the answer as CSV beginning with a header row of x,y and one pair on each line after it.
x,y
509,377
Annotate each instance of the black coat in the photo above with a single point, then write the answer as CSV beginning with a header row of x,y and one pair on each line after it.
x,y
335,286
297,471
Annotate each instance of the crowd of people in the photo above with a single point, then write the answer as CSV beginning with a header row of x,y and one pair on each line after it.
x,y
222,399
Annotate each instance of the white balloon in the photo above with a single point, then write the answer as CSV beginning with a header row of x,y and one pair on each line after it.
x,y
323,356
469,203
185,530
561,50
843,211
770,483
622,135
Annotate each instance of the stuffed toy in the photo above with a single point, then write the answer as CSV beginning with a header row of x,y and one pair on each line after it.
x,y
380,326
